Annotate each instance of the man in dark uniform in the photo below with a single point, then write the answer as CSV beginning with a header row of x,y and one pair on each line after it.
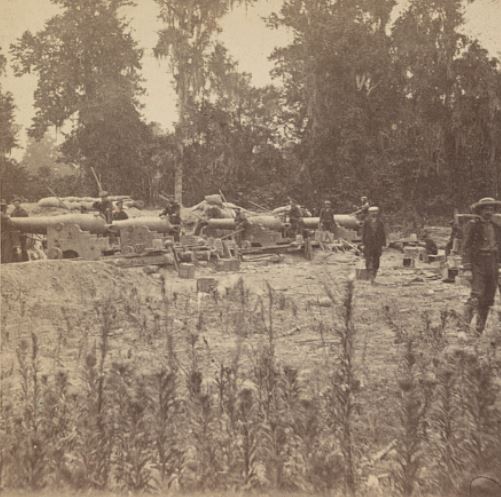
x,y
120,214
172,211
105,207
481,256
10,243
429,244
175,220
373,240
171,207
326,221
295,218
18,211
363,211
241,226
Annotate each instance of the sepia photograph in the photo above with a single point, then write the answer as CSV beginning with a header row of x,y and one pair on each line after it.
x,y
250,248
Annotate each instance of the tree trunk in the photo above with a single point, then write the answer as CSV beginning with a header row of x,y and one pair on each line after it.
x,y
178,171
178,179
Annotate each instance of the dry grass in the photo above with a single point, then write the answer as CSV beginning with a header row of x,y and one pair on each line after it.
x,y
163,408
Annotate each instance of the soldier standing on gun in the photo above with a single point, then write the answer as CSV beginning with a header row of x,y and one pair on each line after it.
x,y
373,240
481,256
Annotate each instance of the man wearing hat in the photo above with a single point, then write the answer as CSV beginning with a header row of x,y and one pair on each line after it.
x,y
104,206
242,225
18,211
373,240
363,211
481,256
295,218
326,221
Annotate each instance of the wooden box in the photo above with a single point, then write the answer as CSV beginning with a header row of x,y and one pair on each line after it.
x,y
206,285
186,270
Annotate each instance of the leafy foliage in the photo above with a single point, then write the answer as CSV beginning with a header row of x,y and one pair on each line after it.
x,y
408,115
88,75
254,423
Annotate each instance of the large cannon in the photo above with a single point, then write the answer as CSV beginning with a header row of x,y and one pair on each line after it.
x,y
92,223
275,224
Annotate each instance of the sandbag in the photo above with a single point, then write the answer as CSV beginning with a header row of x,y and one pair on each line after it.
x,y
214,199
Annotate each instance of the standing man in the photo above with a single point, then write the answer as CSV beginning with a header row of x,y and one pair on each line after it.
x,y
363,211
172,211
175,220
9,239
18,211
241,226
326,221
105,207
429,244
481,255
295,218
373,240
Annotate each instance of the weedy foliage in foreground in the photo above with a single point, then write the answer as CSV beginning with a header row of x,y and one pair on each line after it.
x,y
254,423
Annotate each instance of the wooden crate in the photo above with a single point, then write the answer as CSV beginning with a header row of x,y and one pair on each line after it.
x,y
409,262
206,285
186,270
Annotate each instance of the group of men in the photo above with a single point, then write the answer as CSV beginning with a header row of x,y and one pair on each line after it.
x,y
481,241
105,208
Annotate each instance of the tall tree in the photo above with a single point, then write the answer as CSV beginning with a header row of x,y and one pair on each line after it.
x,y
450,120
88,79
7,127
234,137
12,176
338,90
187,41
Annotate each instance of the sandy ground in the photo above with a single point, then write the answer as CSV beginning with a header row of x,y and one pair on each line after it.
x,y
62,302
65,303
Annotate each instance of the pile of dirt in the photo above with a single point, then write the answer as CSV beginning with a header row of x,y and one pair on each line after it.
x,y
57,281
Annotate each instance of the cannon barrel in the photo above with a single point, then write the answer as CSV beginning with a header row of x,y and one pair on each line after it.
x,y
87,222
345,220
158,224
274,223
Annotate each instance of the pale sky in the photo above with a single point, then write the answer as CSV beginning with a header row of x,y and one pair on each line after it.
x,y
244,33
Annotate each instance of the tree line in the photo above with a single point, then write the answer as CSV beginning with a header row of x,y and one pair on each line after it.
x,y
404,107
